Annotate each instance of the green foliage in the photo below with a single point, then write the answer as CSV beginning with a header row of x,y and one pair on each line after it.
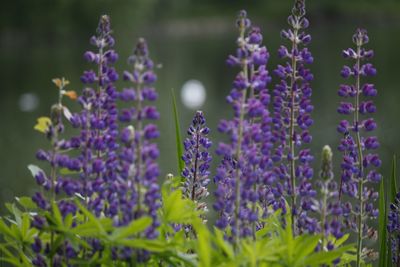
x,y
178,136
382,233
273,245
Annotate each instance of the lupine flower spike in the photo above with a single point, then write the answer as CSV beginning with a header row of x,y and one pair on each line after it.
x,y
98,123
242,175
138,157
292,107
359,163
197,161
52,127
328,206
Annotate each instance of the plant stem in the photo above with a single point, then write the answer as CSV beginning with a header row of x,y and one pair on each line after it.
x,y
360,164
291,131
139,147
193,195
323,214
239,144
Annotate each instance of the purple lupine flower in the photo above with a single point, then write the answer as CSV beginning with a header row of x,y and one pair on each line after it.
x,y
291,119
197,161
138,157
359,163
393,228
50,181
242,177
328,206
98,123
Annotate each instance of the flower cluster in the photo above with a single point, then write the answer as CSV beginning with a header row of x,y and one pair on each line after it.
x,y
197,161
114,173
106,176
53,128
359,162
393,228
329,205
138,166
98,127
291,120
242,177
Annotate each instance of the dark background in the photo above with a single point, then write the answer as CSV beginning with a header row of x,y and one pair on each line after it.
x,y
43,39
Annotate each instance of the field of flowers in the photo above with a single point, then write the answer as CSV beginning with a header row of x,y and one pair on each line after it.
x,y
99,200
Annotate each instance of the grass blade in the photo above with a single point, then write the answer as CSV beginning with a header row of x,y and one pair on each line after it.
x,y
383,255
178,136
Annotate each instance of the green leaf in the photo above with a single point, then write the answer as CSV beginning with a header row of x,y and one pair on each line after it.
x,y
96,223
178,210
225,246
178,136
203,243
27,203
11,260
91,228
305,245
382,226
150,245
340,241
133,228
326,257
5,230
57,214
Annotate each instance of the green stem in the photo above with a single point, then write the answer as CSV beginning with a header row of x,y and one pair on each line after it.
x,y
139,148
323,215
292,160
360,166
239,145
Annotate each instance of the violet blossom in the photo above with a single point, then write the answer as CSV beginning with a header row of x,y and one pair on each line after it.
x,y
197,161
243,175
138,165
291,119
329,205
360,164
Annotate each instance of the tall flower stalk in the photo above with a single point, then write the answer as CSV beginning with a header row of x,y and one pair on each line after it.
x,y
292,107
241,174
53,128
139,154
197,161
359,164
98,122
329,205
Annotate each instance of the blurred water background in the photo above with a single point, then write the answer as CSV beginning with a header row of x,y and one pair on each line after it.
x,y
43,39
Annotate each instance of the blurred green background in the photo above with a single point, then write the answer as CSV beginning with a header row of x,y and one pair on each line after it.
x,y
43,39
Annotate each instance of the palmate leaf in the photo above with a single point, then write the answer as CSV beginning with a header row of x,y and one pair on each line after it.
x,y
203,243
325,257
130,230
178,136
178,210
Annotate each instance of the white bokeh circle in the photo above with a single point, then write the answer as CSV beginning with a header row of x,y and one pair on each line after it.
x,y
193,94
